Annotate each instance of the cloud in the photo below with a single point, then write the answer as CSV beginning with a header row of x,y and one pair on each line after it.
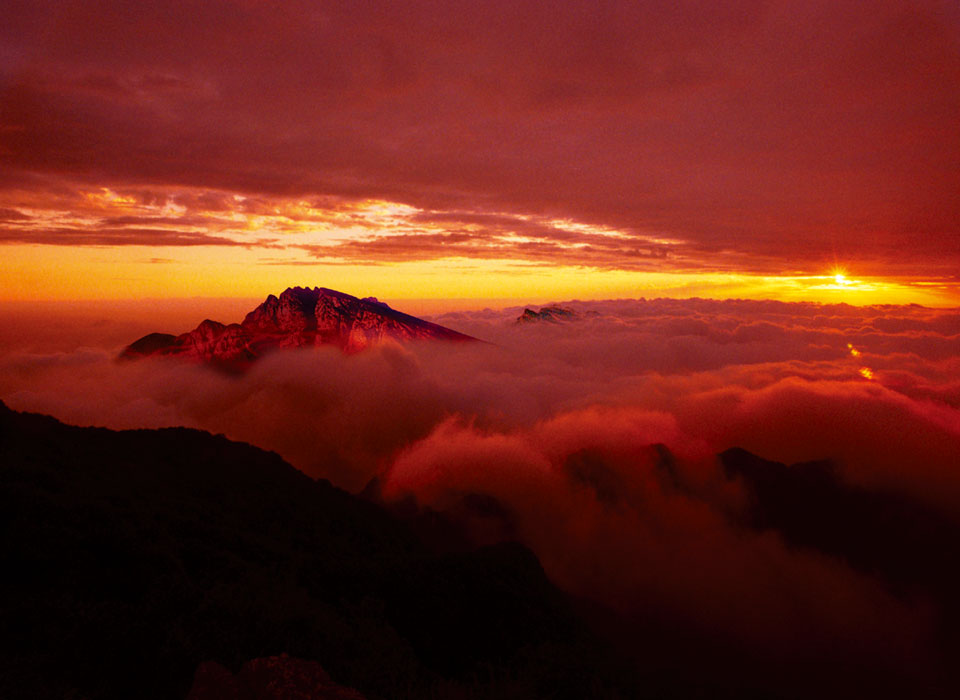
x,y
594,443
613,519
778,136
111,237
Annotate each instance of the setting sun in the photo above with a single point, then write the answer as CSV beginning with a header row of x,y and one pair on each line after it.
x,y
840,278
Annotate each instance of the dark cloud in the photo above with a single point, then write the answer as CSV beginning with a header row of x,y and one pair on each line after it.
x,y
8,215
103,236
481,244
785,135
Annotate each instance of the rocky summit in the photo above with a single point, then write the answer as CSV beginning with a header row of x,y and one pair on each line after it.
x,y
299,317
550,314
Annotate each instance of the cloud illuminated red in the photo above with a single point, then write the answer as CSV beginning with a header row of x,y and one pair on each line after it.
x,y
772,138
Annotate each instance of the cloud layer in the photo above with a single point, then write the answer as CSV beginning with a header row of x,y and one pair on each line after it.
x,y
594,442
769,135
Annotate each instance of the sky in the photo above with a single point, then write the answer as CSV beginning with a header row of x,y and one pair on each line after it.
x,y
481,151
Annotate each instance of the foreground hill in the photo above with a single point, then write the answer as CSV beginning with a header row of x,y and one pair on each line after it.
x,y
157,563
133,557
299,317
901,541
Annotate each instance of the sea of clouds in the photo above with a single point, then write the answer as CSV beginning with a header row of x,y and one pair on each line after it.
x,y
596,441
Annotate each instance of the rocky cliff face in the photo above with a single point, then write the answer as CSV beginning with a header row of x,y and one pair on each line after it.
x,y
550,314
299,317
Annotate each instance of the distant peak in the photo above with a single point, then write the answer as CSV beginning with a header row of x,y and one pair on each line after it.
x,y
551,314
299,317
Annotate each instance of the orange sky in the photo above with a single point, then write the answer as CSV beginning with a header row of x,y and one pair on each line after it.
x,y
264,248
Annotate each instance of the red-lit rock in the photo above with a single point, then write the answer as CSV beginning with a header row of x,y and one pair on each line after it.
x,y
299,317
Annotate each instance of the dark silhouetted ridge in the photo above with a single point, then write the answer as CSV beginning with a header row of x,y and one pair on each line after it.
x,y
132,557
905,543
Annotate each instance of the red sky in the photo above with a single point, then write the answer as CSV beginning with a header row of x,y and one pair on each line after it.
x,y
481,150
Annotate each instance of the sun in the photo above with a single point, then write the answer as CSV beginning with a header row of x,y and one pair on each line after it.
x,y
840,278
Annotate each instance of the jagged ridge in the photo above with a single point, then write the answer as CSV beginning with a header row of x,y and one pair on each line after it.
x,y
552,314
299,317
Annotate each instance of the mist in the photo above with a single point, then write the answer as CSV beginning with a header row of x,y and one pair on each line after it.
x,y
595,441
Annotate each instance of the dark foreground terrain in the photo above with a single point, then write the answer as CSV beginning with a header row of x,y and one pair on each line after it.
x,y
133,557
168,563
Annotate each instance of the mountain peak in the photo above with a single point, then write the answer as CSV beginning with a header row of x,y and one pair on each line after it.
x,y
550,314
299,317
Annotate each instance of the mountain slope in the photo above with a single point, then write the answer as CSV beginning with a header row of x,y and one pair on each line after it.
x,y
133,556
906,543
299,317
